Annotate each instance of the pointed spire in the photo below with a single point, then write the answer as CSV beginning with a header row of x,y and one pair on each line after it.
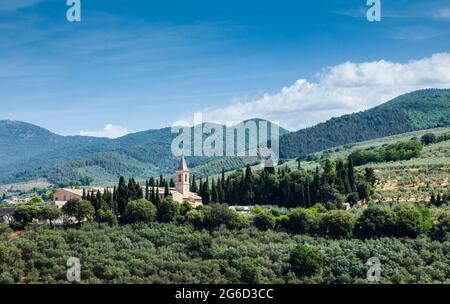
x,y
182,165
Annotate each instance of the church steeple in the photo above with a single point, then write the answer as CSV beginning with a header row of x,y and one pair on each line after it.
x,y
182,177
182,164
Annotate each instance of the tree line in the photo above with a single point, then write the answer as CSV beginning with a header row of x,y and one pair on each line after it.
x,y
403,150
337,183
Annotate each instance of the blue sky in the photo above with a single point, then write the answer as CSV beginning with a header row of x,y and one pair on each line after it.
x,y
137,65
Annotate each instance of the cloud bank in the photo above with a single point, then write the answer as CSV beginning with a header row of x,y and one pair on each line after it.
x,y
338,90
110,131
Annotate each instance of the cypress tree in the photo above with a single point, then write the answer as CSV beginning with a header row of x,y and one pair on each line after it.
x,y
316,187
166,190
219,190
157,198
147,192
139,193
206,192
227,190
223,179
307,194
214,196
152,194
122,196
351,174
194,185
95,202
114,194
200,190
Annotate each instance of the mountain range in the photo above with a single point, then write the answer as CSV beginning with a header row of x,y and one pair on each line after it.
x,y
28,152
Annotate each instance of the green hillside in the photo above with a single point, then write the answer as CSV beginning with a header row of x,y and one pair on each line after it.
x,y
30,152
414,111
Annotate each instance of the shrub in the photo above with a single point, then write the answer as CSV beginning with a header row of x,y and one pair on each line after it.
x,y
337,223
376,222
196,218
6,278
25,214
185,208
282,222
303,221
36,200
264,221
441,230
238,221
217,215
106,216
199,245
428,139
306,261
140,211
168,210
409,221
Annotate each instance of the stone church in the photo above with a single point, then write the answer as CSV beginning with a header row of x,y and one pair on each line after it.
x,y
181,191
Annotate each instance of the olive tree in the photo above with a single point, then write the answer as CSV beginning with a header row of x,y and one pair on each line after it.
x,y
337,224
140,211
376,222
306,261
25,214
79,209
51,213
168,210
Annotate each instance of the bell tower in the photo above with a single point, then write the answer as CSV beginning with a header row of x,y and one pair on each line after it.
x,y
182,177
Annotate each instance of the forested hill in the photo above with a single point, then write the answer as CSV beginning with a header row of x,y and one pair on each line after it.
x,y
28,152
414,111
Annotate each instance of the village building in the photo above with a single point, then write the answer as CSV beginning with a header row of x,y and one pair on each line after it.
x,y
61,196
16,200
180,193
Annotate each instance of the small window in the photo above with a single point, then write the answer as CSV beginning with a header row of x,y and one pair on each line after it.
x,y
185,177
180,179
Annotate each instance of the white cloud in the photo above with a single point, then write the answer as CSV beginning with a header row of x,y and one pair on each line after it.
x,y
110,131
441,14
11,5
338,90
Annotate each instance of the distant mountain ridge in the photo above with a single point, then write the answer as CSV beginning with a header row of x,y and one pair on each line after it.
x,y
410,112
29,152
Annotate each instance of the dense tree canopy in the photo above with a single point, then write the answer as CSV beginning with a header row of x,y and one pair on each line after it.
x,y
170,253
